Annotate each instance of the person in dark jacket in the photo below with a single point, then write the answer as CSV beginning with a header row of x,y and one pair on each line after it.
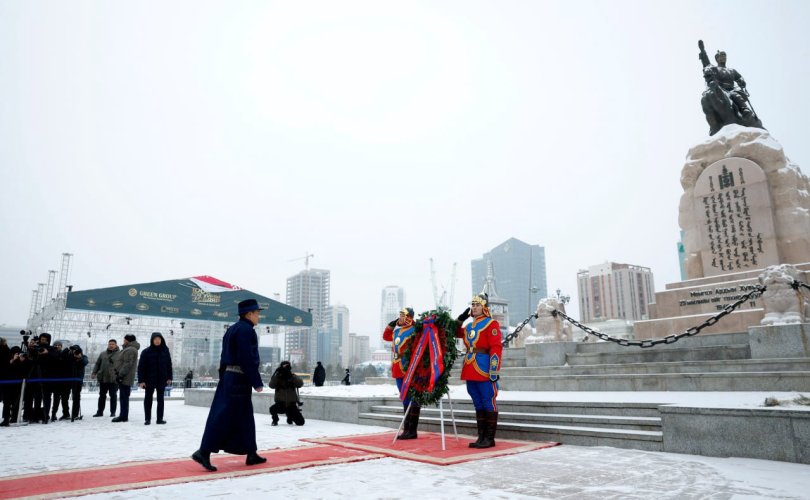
x,y
19,367
77,363
154,374
45,359
347,379
126,364
230,426
319,377
286,384
188,378
61,390
104,373
5,374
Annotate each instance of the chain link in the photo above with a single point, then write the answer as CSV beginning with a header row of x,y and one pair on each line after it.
x,y
511,336
669,339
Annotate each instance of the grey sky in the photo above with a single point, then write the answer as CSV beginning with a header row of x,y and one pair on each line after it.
x,y
158,140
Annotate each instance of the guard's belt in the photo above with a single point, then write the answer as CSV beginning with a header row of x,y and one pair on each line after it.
x,y
478,351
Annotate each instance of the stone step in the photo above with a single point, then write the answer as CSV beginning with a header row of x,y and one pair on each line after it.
x,y
567,434
638,355
794,381
700,340
593,408
714,366
599,421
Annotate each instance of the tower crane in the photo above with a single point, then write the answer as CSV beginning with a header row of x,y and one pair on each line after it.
x,y
442,301
305,258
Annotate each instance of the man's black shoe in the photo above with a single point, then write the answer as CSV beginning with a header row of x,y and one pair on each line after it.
x,y
204,460
119,419
254,459
99,414
64,417
160,422
147,422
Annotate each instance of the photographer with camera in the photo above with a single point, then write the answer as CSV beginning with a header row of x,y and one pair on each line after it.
x,y
19,367
61,390
38,394
77,364
286,384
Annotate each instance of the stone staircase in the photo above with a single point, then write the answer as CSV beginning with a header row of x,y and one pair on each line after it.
x,y
711,363
621,425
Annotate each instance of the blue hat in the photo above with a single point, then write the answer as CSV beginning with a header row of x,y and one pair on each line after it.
x,y
249,305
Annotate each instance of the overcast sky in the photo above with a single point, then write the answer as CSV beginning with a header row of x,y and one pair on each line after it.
x,y
158,140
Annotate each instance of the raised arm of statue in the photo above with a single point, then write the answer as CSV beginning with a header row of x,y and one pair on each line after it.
x,y
704,58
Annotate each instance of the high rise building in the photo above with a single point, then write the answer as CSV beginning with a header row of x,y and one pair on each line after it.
x,y
309,291
358,349
520,269
392,301
615,291
339,321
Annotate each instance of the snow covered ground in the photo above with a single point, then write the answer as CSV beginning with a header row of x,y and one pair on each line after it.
x,y
570,472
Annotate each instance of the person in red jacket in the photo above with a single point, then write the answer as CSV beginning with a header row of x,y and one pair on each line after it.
x,y
401,334
482,363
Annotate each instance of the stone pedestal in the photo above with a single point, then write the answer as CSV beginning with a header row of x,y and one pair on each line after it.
x,y
780,341
745,207
549,353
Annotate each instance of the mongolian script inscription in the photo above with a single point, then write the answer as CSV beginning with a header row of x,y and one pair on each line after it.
x,y
733,206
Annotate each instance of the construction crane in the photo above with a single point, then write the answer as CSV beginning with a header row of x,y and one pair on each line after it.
x,y
305,259
442,301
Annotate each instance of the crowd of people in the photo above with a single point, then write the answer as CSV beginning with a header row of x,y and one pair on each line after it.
x,y
51,376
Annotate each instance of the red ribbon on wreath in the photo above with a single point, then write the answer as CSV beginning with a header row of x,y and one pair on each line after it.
x,y
428,340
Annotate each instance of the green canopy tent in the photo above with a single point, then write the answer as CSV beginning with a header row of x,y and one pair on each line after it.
x,y
201,298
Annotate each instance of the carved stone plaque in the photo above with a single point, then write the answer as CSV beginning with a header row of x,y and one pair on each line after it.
x,y
733,209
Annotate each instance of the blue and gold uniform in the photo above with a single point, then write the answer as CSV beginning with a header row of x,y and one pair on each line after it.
x,y
482,363
402,333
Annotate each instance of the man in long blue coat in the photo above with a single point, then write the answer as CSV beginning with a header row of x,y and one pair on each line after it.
x,y
230,426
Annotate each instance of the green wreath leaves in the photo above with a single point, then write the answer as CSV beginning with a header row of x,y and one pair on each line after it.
x,y
446,326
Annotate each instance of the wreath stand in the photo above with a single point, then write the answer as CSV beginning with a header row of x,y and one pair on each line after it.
x,y
441,420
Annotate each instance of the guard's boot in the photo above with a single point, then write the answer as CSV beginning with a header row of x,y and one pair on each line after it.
x,y
480,421
411,423
492,426
203,459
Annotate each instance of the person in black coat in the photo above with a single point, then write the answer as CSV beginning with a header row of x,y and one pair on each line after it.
x,y
286,384
77,362
61,390
154,373
230,426
5,374
19,368
319,377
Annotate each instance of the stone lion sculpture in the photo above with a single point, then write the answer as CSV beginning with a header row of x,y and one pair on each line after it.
x,y
783,303
547,327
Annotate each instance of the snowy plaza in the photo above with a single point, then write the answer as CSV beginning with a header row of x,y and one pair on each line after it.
x,y
570,472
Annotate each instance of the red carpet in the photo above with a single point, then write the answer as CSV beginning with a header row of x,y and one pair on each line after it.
x,y
134,475
428,447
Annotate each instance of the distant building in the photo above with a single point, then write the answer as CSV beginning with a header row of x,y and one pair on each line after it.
x,y
521,272
270,355
358,349
339,320
682,258
392,301
615,291
308,290
328,352
498,307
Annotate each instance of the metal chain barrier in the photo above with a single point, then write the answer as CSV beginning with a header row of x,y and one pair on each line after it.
x,y
511,336
669,339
